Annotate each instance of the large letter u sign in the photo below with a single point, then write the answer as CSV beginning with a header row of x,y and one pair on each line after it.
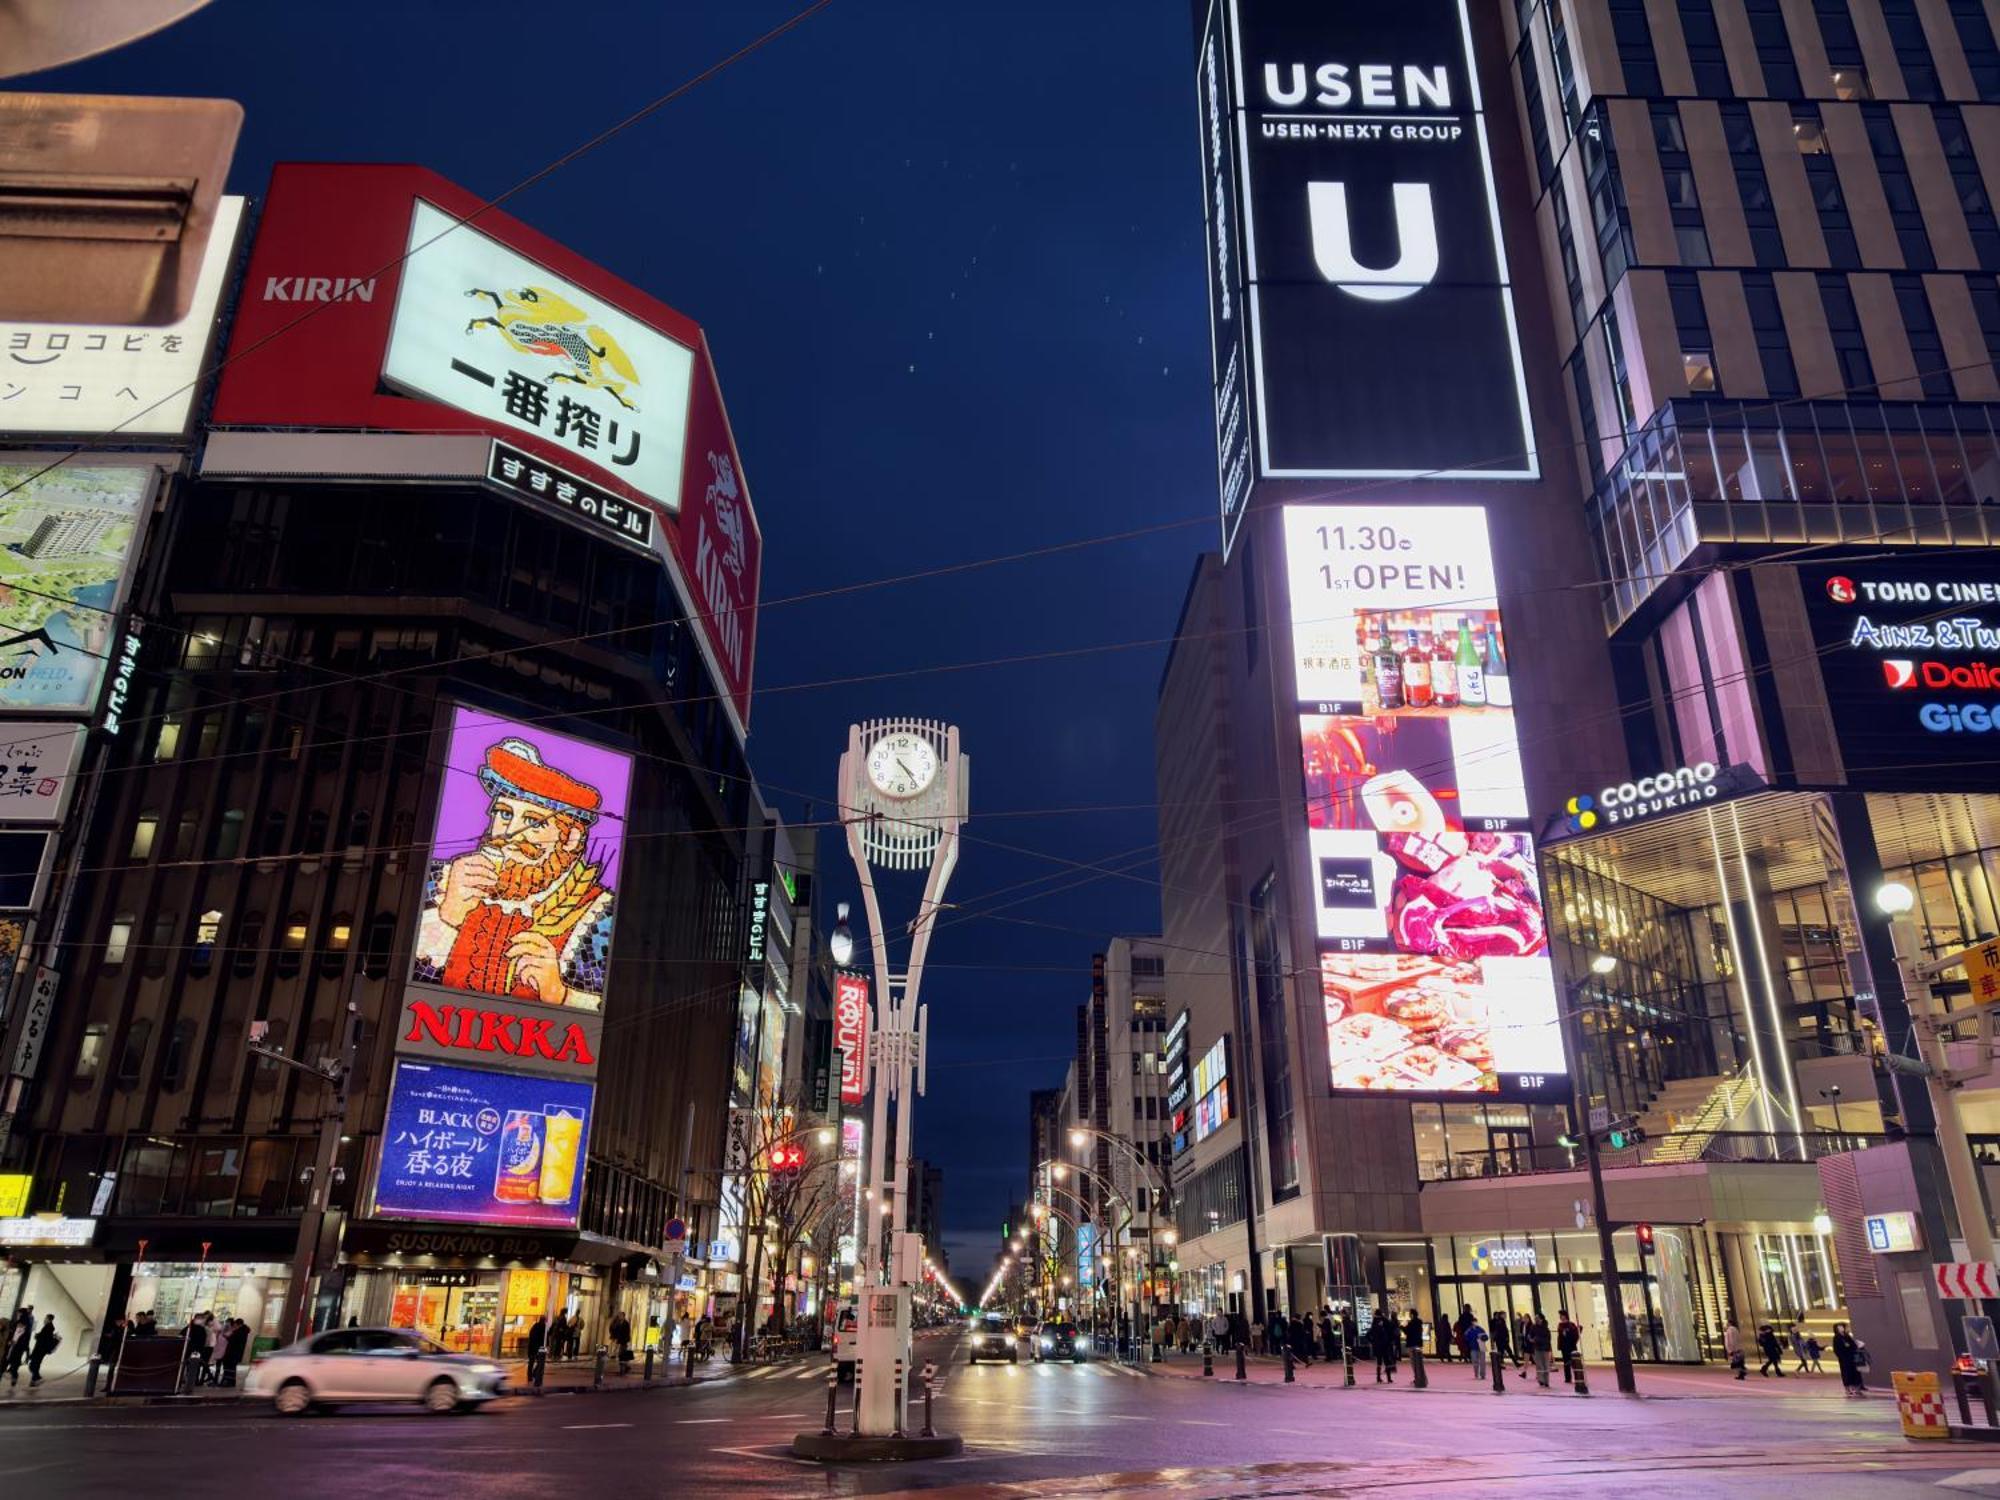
x,y
1333,248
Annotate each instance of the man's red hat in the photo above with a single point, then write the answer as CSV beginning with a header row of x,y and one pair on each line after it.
x,y
514,768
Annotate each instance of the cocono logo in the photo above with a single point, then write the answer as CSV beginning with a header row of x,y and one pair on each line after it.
x,y
1582,813
1841,590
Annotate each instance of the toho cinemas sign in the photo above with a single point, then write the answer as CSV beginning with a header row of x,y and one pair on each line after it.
x,y
503,1034
1359,295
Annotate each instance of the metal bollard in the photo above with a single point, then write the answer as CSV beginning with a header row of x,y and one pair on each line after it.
x,y
854,1427
1347,1357
1582,1385
648,1375
1208,1357
597,1375
687,1359
929,1393
1241,1372
832,1391
1499,1375
1417,1376
902,1394
1289,1376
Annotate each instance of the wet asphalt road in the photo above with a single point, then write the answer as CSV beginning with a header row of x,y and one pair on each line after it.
x,y
1029,1430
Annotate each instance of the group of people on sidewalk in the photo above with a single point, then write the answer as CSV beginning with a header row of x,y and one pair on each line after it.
x,y
1849,1354
28,1345
215,1350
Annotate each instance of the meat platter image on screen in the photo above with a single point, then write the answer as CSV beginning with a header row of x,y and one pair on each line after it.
x,y
1434,966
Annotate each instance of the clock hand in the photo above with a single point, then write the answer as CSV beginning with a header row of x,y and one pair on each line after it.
x,y
905,769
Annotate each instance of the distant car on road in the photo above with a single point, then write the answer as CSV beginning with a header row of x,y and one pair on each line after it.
x,y
1058,1340
991,1338
373,1364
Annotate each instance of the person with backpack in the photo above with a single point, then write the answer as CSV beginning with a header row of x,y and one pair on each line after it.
x,y
46,1340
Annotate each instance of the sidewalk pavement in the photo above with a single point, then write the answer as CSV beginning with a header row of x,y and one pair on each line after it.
x,y
1670,1382
569,1377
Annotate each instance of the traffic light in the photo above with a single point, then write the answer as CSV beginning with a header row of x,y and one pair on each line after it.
x,y
1643,1233
787,1157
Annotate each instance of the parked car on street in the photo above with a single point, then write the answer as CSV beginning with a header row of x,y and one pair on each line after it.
x,y
846,1342
373,1364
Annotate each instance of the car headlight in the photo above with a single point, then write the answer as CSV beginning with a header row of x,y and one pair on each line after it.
x,y
1048,1343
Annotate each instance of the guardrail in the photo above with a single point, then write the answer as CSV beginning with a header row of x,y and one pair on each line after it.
x,y
1717,1146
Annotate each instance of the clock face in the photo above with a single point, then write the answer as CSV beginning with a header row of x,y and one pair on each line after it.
x,y
901,765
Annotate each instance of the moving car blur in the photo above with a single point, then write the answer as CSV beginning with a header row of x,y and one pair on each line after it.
x,y
372,1364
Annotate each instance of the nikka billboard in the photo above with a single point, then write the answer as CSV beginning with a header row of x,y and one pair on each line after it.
x,y
368,305
1362,321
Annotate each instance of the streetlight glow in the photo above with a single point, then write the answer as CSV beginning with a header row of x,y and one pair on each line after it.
x,y
1602,963
840,942
1894,899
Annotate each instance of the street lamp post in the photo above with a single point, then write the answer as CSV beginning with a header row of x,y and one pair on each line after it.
x,y
1601,964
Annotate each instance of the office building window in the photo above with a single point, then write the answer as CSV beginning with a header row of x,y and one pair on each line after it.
x,y
1690,235
1843,49
1635,48
1973,199
1904,214
1538,125
1774,48
1691,326
1975,35
1614,350
1913,49
1586,411
1986,307
1857,372
1572,111
1760,214
1572,277
1607,199
1926,348
1774,345
1272,997
1824,181
1704,44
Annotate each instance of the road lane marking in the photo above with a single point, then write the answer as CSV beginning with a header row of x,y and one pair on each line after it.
x,y
592,1426
701,1421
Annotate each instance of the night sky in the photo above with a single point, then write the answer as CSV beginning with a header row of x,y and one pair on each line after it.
x,y
949,258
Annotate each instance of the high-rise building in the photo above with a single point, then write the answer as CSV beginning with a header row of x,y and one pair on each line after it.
x,y
1587,656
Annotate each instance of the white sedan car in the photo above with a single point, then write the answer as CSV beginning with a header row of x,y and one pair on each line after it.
x,y
372,1364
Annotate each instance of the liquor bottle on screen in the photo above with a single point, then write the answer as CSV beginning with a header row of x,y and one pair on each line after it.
x,y
1444,669
1471,667
1416,672
1499,686
1388,669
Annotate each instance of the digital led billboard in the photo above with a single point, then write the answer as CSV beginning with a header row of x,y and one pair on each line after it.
x,y
1433,946
491,1148
1361,315
1909,650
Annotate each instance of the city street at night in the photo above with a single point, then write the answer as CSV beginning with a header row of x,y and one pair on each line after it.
x,y
1039,1429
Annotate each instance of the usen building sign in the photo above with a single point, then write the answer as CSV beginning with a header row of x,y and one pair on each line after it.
x,y
1366,281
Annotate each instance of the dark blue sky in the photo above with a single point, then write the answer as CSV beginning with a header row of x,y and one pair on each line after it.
x,y
950,261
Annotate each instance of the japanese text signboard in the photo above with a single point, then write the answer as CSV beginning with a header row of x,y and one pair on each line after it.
x,y
483,328
517,473
1367,276
489,1148
1433,945
422,324
125,382
37,770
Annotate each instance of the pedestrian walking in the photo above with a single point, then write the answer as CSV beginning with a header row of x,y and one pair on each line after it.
x,y
1218,1330
1767,1344
1350,1332
1813,1352
111,1342
1302,1339
1274,1332
1569,1334
1538,1346
194,1350
1732,1348
1388,1342
46,1339
235,1344
538,1349
1329,1337
1447,1340
1799,1349
1475,1340
1852,1359
621,1340
1503,1340
1413,1332
1239,1329
14,1352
